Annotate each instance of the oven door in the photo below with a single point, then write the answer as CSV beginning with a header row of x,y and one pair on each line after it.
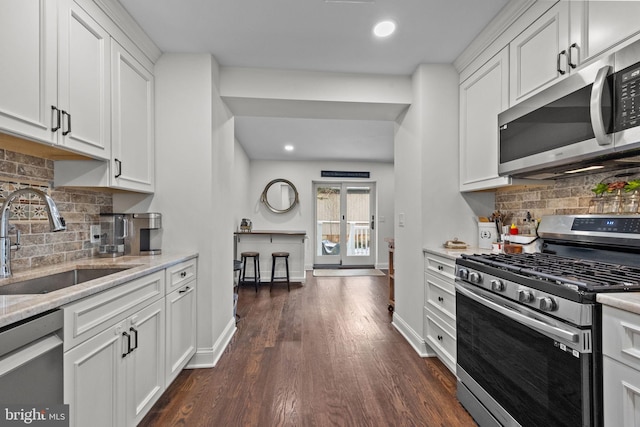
x,y
521,366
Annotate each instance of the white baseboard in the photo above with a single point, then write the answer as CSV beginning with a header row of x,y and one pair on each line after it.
x,y
208,357
416,341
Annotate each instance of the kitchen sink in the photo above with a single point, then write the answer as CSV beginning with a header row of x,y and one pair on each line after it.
x,y
57,281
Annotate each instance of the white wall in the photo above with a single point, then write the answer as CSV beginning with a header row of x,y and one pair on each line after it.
x,y
302,174
426,172
241,184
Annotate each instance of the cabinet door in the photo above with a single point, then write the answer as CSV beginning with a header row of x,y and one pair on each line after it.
x,y
181,329
482,96
621,394
132,126
539,55
145,362
83,88
94,380
597,26
28,76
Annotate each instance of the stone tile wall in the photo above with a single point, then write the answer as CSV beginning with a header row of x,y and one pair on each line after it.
x,y
563,196
80,209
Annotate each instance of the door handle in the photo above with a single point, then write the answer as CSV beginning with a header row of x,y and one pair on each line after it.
x,y
560,70
134,331
55,112
126,334
68,131
571,63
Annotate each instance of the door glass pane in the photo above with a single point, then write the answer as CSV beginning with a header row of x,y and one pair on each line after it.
x,y
358,221
328,216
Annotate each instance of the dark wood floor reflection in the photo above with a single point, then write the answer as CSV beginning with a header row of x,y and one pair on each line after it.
x,y
324,354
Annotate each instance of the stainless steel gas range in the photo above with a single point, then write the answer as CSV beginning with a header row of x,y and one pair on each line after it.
x,y
529,329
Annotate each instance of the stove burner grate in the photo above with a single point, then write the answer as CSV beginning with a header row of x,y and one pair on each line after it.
x,y
575,273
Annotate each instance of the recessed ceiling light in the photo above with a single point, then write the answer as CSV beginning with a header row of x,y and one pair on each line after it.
x,y
384,28
288,147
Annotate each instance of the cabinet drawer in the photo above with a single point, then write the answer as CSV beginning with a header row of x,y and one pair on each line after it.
x,y
180,274
440,266
622,338
440,296
442,339
89,316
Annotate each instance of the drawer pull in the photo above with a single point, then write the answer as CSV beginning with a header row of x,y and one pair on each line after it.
x,y
440,299
182,291
183,274
439,337
440,268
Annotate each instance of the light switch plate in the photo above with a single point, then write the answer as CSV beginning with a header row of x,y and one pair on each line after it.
x,y
401,219
94,232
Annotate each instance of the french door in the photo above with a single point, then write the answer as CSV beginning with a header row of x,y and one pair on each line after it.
x,y
345,223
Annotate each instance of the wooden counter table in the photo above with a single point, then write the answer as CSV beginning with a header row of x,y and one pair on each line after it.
x,y
267,241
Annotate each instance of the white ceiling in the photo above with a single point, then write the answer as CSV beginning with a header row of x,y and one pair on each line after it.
x,y
316,35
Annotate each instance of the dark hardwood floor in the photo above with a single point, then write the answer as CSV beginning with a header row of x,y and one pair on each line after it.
x,y
324,354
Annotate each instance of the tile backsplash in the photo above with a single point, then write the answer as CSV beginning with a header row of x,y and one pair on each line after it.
x,y
80,209
563,196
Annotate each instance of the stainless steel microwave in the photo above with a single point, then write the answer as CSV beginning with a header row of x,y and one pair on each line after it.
x,y
588,121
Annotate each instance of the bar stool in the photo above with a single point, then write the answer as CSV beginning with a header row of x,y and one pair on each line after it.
x,y
256,268
274,257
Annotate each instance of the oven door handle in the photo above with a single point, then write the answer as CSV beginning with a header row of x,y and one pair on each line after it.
x,y
520,318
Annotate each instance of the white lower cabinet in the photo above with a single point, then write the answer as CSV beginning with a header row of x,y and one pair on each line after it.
x,y
181,318
125,345
621,367
114,378
440,307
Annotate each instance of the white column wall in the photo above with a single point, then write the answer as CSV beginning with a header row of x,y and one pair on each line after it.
x,y
426,177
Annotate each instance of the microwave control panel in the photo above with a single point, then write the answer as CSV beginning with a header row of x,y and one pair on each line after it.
x,y
628,98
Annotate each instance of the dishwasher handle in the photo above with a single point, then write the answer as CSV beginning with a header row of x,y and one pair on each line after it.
x,y
27,353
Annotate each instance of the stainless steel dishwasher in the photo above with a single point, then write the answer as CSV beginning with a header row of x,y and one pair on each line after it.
x,y
31,360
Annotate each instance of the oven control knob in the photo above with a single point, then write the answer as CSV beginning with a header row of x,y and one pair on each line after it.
x,y
525,296
548,304
463,273
475,278
497,285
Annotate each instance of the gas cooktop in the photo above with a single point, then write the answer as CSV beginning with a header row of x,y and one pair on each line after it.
x,y
577,274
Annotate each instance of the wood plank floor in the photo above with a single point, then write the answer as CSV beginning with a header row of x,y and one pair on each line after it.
x,y
324,354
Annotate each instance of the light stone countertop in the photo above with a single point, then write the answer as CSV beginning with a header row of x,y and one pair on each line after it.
x,y
14,308
455,253
629,301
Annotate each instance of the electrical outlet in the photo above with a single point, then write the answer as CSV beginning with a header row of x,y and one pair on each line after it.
x,y
94,231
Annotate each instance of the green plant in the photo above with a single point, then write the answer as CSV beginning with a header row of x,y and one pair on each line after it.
x,y
600,188
632,185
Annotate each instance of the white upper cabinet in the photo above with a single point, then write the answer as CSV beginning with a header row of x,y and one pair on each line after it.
x,y
597,26
133,123
570,34
56,90
28,76
482,96
83,82
540,55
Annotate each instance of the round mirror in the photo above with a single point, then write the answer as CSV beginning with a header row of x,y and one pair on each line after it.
x,y
280,196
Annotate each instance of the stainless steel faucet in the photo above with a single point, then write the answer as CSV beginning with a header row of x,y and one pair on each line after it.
x,y
56,222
